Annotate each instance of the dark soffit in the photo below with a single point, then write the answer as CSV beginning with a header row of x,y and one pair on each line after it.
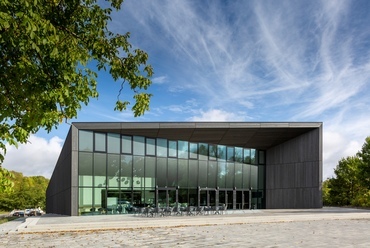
x,y
261,135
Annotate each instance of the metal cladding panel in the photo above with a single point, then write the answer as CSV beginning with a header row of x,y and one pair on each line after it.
x,y
293,172
58,194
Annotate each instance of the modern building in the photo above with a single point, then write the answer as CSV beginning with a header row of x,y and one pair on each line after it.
x,y
107,168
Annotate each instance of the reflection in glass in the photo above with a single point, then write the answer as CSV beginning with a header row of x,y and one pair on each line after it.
x,y
230,154
150,172
247,156
162,172
138,172
113,170
253,156
238,176
172,148
203,151
183,147
193,150
85,169
161,147
212,152
193,173
126,144
254,176
221,174
172,172
100,142
202,173
138,145
113,143
246,176
239,154
126,171
150,147
85,140
100,169
212,174
230,175
183,173
85,202
221,152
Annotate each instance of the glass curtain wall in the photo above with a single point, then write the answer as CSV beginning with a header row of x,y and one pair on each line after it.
x,y
118,172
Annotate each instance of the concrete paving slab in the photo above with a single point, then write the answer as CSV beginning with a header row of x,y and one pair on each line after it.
x,y
327,227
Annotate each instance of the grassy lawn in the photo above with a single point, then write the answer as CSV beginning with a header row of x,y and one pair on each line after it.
x,y
6,219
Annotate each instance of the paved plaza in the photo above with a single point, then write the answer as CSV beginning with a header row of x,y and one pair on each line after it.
x,y
327,227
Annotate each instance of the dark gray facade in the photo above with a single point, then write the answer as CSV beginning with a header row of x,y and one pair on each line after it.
x,y
292,173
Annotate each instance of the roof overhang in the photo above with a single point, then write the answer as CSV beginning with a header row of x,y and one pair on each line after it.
x,y
260,135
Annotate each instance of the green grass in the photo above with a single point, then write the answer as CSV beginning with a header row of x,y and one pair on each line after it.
x,y
6,219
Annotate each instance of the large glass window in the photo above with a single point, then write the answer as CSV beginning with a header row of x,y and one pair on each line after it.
x,y
172,172
238,176
221,152
254,176
85,140
239,154
202,174
126,144
113,143
193,173
162,172
212,152
203,151
150,147
150,172
138,172
183,147
230,168
172,148
247,156
212,174
100,169
85,202
193,150
107,178
113,170
253,156
221,174
139,147
183,172
161,147
100,142
85,169
126,171
230,154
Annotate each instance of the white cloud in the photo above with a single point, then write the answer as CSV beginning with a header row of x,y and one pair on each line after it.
x,y
160,80
216,115
36,158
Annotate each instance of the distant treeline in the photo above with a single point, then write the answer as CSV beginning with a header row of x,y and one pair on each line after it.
x,y
351,184
27,192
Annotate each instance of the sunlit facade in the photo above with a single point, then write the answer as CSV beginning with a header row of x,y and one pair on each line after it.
x,y
113,167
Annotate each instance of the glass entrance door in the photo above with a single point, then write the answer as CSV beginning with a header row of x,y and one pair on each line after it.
x,y
167,197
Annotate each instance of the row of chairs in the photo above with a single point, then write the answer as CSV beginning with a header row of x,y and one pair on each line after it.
x,y
179,211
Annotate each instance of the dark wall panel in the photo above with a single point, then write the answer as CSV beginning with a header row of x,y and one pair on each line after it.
x,y
58,193
294,171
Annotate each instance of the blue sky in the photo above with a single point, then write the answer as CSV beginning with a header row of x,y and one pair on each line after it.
x,y
239,61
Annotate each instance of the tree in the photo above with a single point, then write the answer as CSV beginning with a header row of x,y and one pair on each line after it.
x,y
6,183
364,155
50,53
343,189
28,192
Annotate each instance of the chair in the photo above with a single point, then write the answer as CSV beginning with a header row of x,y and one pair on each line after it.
x,y
199,211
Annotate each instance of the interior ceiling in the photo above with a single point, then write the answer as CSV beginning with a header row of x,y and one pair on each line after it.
x,y
249,136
